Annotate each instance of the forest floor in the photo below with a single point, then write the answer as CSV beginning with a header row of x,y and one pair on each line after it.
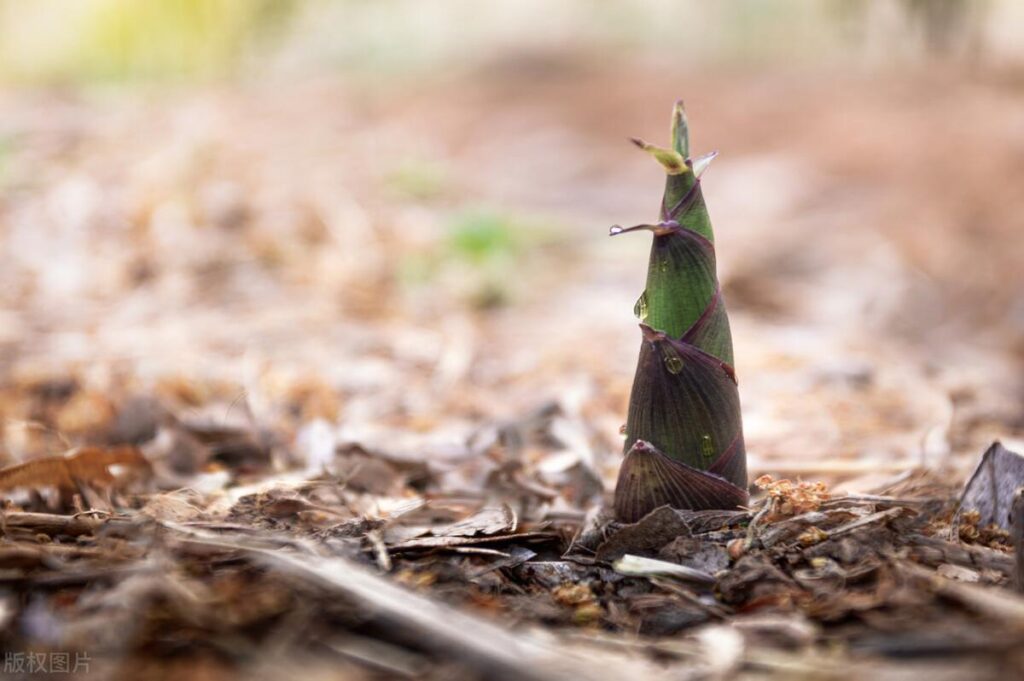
x,y
348,367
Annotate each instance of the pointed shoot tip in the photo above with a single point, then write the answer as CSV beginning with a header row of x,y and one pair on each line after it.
x,y
680,130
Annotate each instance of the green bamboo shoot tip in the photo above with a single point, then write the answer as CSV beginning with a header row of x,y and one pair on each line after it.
x,y
680,130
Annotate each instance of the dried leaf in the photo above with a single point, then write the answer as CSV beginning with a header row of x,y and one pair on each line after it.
x,y
650,533
999,474
638,566
487,521
87,465
447,542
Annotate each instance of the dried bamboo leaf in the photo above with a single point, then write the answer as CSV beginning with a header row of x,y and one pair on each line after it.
x,y
489,520
448,542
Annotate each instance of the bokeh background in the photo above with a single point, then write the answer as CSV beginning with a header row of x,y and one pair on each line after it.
x,y
390,218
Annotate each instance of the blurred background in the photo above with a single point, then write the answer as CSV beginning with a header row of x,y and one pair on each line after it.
x,y
391,217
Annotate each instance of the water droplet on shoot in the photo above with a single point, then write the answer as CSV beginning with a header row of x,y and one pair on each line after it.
x,y
640,309
707,447
674,364
616,229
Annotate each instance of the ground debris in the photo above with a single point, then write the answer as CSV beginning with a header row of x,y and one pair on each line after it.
x,y
392,571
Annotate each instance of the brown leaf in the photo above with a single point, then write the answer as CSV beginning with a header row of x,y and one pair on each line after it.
x,y
990,490
86,465
653,531
487,521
